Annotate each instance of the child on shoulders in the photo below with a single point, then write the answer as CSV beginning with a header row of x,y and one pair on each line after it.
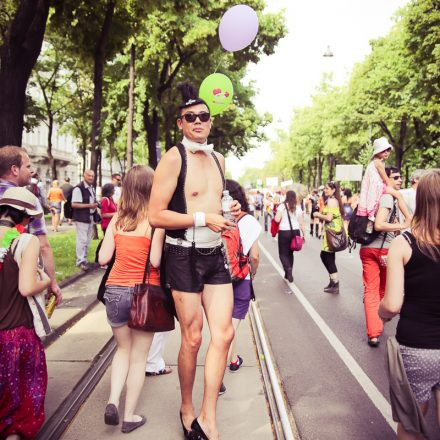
x,y
376,183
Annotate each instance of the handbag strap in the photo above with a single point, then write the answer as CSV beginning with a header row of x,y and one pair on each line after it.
x,y
147,263
288,216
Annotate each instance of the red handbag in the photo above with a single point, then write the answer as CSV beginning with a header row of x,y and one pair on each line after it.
x,y
150,310
274,227
296,243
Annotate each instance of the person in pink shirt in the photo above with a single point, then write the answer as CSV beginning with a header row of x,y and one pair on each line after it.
x,y
108,205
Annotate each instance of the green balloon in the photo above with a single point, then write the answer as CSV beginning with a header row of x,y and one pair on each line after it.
x,y
217,91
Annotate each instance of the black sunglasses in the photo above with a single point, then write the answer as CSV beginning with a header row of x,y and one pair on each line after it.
x,y
396,177
192,117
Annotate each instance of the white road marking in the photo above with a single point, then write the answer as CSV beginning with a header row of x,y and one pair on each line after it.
x,y
364,381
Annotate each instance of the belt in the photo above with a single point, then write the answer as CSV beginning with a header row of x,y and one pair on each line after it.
x,y
186,251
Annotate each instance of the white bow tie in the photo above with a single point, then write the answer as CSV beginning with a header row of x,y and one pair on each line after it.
x,y
195,146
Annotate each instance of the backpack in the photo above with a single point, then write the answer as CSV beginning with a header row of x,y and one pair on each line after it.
x,y
357,229
238,262
68,211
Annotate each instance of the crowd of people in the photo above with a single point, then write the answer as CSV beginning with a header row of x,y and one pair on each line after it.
x,y
168,224
400,268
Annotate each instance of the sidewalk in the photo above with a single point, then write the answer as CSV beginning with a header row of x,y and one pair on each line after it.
x,y
242,410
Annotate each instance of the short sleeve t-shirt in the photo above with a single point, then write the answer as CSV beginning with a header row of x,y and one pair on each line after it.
x,y
250,230
294,218
386,201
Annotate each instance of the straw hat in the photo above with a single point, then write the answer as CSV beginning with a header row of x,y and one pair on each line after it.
x,y
21,199
381,144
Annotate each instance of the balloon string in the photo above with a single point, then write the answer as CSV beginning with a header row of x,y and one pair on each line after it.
x,y
218,65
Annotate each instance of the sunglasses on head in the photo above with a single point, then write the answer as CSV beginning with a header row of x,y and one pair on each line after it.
x,y
192,117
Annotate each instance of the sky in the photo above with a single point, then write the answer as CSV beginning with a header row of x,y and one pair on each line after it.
x,y
287,79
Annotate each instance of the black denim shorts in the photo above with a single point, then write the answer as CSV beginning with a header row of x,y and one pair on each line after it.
x,y
117,304
188,270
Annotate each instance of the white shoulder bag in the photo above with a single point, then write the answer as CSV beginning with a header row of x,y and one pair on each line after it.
x,y
36,302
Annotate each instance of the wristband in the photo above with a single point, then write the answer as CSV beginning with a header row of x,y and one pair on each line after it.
x,y
199,219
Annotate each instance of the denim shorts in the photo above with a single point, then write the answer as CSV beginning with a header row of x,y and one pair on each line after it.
x,y
117,304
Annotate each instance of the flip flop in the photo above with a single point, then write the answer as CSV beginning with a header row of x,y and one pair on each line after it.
x,y
166,370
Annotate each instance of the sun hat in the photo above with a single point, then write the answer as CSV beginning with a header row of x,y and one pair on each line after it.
x,y
21,199
381,144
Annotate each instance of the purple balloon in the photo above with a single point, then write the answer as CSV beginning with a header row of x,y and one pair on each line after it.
x,y
238,28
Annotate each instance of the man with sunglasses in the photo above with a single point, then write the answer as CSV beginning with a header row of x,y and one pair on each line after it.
x,y
16,170
186,201
374,257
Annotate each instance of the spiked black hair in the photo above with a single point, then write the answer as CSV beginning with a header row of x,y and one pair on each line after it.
x,y
190,95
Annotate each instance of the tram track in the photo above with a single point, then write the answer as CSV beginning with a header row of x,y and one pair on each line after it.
x,y
59,421
57,424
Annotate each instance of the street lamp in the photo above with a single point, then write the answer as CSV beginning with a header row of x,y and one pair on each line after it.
x,y
328,53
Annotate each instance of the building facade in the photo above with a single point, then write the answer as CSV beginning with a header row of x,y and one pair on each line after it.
x,y
68,161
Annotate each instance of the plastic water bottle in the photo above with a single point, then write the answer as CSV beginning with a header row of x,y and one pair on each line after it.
x,y
226,206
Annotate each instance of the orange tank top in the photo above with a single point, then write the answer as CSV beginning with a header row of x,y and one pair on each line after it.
x,y
131,257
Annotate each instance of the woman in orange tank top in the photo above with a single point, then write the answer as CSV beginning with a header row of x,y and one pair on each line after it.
x,y
129,235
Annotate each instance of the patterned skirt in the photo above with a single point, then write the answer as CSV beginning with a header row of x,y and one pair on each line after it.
x,y
23,383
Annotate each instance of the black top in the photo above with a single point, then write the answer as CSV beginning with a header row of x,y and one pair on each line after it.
x,y
419,323
14,307
178,201
82,214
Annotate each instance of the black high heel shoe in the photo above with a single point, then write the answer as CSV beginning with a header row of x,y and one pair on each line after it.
x,y
197,431
186,433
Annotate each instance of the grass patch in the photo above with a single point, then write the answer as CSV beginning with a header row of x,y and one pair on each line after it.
x,y
64,252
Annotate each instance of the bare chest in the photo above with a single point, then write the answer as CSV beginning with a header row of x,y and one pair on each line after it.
x,y
203,178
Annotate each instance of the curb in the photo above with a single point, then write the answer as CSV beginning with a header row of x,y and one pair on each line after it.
x,y
49,339
77,276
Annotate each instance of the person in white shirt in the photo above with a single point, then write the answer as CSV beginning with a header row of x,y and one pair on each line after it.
x,y
409,194
117,183
291,218
250,230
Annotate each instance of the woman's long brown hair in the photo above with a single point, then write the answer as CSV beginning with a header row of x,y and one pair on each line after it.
x,y
426,220
133,204
291,200
337,195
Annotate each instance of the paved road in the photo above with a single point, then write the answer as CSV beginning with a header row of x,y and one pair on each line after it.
x,y
326,399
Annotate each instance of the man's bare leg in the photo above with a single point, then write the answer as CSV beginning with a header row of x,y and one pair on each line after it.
x,y
218,302
190,314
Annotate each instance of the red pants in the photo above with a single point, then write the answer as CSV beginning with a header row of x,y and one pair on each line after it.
x,y
374,275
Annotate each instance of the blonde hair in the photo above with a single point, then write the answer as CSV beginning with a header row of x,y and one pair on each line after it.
x,y
55,183
133,204
426,220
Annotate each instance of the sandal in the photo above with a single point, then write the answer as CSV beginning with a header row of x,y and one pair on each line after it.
x,y
374,342
166,370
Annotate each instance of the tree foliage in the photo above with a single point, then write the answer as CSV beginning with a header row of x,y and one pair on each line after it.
x,y
393,93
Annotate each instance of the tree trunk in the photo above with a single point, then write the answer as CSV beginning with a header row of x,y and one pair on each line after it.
x,y
110,149
131,108
52,164
309,175
320,163
331,164
315,171
152,128
99,179
99,60
18,55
